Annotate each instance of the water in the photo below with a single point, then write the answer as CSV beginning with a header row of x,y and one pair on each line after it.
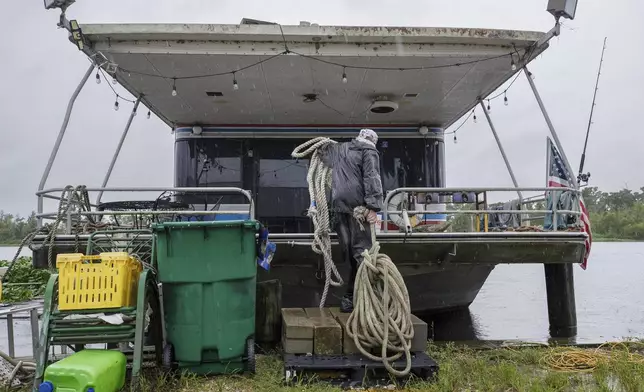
x,y
7,252
512,303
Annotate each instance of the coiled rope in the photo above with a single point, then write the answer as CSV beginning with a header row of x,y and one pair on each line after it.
x,y
319,182
381,318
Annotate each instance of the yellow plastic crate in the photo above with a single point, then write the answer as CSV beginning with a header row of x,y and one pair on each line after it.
x,y
106,281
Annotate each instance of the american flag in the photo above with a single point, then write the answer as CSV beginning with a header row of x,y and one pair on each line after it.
x,y
560,176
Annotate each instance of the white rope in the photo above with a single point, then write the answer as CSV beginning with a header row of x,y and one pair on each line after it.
x,y
381,317
319,182
382,314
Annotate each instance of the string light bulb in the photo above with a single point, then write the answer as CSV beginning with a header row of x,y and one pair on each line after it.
x,y
513,65
489,108
116,104
174,87
235,85
474,116
455,141
344,75
505,98
114,81
148,114
98,78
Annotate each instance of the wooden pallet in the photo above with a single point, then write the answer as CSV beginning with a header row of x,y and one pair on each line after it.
x,y
352,370
322,332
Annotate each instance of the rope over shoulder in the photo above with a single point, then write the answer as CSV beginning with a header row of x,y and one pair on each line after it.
x,y
319,181
382,314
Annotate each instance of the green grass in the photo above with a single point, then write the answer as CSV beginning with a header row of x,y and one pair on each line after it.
x,y
461,369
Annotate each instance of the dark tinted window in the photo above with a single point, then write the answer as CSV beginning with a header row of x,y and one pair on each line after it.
x,y
219,163
287,173
410,162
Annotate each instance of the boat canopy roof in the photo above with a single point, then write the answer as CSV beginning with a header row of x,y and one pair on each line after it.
x,y
432,75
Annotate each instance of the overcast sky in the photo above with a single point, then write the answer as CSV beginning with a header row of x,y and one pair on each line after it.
x,y
40,69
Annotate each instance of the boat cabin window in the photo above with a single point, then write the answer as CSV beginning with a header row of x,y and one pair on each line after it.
x,y
278,182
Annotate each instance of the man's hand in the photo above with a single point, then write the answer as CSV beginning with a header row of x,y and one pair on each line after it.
x,y
372,217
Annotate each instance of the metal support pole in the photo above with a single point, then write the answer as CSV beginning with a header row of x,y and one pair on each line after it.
x,y
560,283
61,133
505,157
560,289
118,149
33,316
573,179
10,336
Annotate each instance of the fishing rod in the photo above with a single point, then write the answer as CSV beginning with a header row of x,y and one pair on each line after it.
x,y
584,177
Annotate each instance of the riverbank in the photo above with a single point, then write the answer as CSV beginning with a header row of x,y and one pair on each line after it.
x,y
616,368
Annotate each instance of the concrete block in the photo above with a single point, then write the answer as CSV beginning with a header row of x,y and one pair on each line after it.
x,y
296,324
419,342
348,346
297,346
327,333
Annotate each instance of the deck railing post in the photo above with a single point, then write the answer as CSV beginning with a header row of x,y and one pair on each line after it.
x,y
59,139
118,149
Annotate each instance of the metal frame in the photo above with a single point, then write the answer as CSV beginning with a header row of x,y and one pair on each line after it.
x,y
46,193
386,213
551,127
118,149
502,150
33,320
61,134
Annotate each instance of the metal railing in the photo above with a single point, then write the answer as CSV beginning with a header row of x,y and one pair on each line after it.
x,y
445,193
51,194
11,314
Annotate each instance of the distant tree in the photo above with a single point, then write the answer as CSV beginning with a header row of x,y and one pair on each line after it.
x,y
14,228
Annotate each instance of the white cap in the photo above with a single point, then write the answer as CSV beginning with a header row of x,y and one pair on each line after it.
x,y
368,134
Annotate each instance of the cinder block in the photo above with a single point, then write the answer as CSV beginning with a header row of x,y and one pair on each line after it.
x,y
419,342
348,346
327,333
297,346
296,324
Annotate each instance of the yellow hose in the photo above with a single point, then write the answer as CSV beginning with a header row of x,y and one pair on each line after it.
x,y
572,359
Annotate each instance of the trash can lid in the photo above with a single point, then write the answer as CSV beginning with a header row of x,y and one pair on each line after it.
x,y
46,387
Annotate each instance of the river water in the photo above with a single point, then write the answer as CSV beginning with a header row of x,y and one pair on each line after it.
x,y
512,303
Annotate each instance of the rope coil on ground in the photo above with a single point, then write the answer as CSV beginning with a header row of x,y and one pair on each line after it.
x,y
382,314
381,318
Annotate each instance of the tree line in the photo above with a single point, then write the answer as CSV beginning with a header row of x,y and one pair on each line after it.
x,y
617,215
13,228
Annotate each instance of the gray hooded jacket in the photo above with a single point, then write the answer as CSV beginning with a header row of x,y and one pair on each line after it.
x,y
356,176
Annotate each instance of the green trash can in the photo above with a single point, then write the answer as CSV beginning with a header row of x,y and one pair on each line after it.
x,y
208,273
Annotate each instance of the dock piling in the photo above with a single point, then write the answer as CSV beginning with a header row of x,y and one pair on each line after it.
x,y
560,289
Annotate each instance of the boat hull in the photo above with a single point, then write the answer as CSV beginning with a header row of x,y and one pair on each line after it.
x,y
432,288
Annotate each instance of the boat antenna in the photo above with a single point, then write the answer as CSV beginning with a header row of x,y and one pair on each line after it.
x,y
584,177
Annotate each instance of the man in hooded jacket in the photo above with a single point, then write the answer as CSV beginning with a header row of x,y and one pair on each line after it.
x,y
355,182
